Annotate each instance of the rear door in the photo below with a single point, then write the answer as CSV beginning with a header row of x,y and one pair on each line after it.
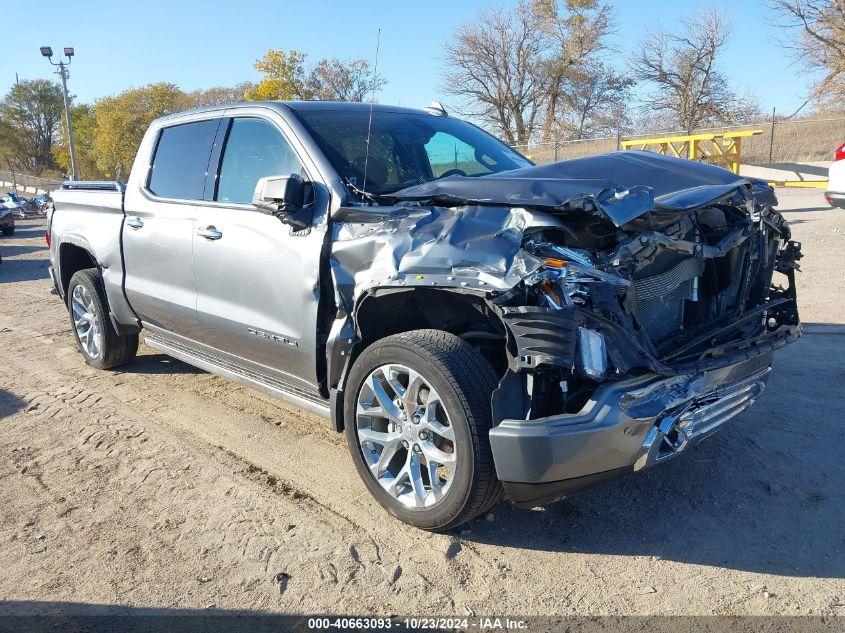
x,y
159,228
257,280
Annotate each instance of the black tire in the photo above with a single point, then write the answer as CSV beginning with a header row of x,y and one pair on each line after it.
x,y
116,349
9,230
465,382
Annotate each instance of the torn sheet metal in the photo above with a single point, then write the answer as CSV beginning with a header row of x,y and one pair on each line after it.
x,y
474,248
624,185
467,232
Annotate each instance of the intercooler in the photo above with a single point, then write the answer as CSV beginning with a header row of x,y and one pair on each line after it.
x,y
660,290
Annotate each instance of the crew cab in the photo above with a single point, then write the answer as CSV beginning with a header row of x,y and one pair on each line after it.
x,y
478,326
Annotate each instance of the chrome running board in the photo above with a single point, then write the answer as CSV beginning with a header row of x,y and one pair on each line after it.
x,y
230,371
698,419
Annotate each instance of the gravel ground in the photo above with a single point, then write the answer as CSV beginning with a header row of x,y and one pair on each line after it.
x,y
163,486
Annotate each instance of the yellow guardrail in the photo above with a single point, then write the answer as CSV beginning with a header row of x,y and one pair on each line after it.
x,y
723,149
801,184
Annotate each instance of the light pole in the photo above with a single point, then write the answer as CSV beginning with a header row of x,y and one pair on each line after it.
x,y
63,73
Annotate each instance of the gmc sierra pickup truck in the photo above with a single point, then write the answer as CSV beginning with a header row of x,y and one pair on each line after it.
x,y
478,326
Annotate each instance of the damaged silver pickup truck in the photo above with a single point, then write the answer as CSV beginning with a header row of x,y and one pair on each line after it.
x,y
479,326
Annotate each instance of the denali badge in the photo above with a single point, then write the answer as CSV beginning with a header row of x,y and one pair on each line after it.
x,y
273,337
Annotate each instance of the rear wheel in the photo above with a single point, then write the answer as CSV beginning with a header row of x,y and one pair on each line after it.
x,y
9,230
100,345
417,417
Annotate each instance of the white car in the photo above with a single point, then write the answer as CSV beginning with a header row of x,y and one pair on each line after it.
x,y
10,202
835,194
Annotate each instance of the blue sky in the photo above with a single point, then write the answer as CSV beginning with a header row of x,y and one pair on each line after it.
x,y
203,44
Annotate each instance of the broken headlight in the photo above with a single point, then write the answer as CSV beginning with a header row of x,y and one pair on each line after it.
x,y
592,353
567,275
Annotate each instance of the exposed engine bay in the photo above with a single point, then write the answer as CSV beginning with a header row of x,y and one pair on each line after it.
x,y
589,270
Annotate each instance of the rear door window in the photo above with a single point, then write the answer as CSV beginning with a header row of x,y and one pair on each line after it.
x,y
254,149
181,160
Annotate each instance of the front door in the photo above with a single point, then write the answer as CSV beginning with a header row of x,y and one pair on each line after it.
x,y
257,281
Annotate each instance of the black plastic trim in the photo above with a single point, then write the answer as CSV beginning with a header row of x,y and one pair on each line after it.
x,y
531,495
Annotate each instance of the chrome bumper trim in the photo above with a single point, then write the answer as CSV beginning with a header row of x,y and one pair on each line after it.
x,y
673,432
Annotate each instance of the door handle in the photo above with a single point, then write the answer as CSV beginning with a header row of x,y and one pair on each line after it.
x,y
135,223
210,233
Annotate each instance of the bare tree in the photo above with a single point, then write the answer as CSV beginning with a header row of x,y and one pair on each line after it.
x,y
821,46
339,80
594,97
495,68
683,67
219,94
576,31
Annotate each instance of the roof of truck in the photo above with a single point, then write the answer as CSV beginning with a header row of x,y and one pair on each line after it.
x,y
344,105
301,106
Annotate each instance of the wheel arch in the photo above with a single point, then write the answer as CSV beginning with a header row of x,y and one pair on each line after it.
x,y
73,257
382,312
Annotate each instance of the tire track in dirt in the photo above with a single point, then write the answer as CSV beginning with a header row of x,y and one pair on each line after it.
x,y
292,455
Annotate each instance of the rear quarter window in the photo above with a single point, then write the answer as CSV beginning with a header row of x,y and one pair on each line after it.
x,y
181,158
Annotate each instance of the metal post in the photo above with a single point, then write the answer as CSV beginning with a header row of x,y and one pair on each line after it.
x,y
12,171
772,136
556,146
62,72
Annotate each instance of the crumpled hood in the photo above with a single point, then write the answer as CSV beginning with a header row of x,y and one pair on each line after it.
x,y
467,232
625,185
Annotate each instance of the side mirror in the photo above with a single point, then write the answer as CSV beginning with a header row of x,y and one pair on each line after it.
x,y
279,194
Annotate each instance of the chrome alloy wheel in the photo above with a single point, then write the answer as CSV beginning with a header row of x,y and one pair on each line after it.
x,y
405,436
85,321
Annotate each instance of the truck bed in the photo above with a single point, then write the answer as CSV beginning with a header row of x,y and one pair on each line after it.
x,y
89,215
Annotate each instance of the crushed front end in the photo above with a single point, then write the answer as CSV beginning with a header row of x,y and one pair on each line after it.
x,y
634,341
639,300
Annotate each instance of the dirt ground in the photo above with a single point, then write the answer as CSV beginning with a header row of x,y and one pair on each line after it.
x,y
163,486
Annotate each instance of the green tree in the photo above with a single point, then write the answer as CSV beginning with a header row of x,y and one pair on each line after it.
x,y
31,114
82,116
120,123
284,77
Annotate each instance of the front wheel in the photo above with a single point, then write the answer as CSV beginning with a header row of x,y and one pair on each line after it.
x,y
417,417
9,230
100,345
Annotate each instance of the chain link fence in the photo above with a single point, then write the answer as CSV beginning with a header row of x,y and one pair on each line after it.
x,y
794,141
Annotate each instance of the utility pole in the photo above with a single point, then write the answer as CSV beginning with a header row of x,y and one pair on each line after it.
x,y
62,72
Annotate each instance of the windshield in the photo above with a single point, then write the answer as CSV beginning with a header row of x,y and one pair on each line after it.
x,y
406,148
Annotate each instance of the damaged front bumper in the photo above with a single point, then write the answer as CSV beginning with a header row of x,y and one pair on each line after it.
x,y
626,426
